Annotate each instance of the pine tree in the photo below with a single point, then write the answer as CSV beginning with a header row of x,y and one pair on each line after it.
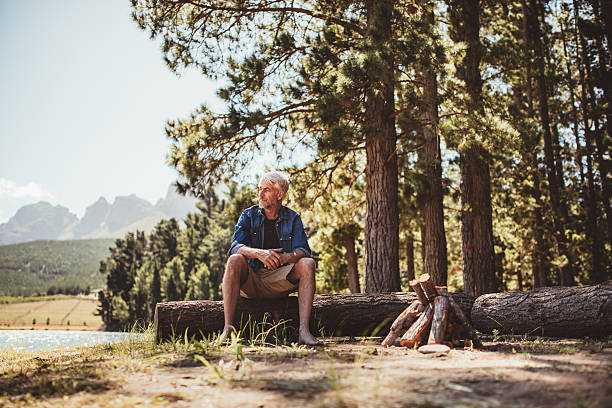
x,y
290,88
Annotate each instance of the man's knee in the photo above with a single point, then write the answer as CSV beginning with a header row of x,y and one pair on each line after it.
x,y
236,265
305,267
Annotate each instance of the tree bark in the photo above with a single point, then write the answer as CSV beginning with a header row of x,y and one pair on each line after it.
x,y
403,323
606,15
417,333
476,210
605,82
559,221
418,290
410,257
440,320
351,263
477,222
337,314
552,311
428,287
460,314
540,253
382,221
589,199
431,194
597,274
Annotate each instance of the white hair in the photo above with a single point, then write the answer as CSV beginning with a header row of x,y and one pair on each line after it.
x,y
278,179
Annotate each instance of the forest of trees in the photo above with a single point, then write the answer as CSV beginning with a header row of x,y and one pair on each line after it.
x,y
466,139
52,267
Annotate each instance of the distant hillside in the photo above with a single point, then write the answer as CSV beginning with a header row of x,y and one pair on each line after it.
x,y
34,267
101,220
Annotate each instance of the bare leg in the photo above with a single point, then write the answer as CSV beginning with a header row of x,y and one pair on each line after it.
x,y
304,271
236,271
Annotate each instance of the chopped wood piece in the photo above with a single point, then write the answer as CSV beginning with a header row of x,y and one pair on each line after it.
x,y
428,286
441,349
414,284
403,322
440,319
462,318
417,333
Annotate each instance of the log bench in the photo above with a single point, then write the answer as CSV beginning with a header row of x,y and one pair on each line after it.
x,y
551,311
332,315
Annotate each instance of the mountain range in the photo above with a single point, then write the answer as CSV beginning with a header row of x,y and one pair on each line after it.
x,y
43,221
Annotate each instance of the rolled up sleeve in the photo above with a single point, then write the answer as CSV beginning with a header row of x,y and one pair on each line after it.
x,y
300,242
241,234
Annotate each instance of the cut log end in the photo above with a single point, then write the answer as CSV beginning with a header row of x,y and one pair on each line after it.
x,y
428,286
414,284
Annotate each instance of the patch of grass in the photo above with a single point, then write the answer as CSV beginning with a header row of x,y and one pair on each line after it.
x,y
26,376
5,300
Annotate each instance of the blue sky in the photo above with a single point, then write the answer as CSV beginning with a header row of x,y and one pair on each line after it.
x,y
85,96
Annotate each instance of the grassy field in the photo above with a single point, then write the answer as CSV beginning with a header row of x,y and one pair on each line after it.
x,y
68,311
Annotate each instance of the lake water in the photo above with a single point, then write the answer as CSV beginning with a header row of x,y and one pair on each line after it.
x,y
38,340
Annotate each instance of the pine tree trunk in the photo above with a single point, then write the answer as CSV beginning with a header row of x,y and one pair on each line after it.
x,y
604,12
552,311
476,218
597,274
410,257
351,263
382,221
606,16
476,222
603,144
534,32
540,253
435,261
589,200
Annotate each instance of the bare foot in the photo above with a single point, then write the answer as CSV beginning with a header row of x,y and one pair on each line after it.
x,y
307,338
223,337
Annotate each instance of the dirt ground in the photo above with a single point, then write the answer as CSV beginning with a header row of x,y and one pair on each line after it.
x,y
551,373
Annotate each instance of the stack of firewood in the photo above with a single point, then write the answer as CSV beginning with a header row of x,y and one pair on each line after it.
x,y
434,321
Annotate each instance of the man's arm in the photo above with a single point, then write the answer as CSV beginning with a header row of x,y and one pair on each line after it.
x,y
271,258
299,243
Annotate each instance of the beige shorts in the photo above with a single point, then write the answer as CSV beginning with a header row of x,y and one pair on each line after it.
x,y
268,284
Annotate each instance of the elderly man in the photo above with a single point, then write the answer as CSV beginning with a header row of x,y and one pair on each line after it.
x,y
270,257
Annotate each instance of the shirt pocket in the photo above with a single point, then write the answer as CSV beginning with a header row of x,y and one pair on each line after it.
x,y
255,239
285,238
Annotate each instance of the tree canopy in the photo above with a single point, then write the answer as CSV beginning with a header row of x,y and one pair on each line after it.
x,y
477,132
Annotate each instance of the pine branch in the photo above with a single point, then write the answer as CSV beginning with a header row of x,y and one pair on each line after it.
x,y
296,10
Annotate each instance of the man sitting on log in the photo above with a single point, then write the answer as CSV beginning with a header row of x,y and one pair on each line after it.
x,y
270,257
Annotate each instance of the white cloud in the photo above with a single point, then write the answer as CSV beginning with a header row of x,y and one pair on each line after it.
x,y
9,189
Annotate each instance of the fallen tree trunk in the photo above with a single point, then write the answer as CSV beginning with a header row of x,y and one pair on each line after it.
x,y
551,311
356,314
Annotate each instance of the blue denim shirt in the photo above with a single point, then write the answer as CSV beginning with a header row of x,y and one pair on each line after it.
x,y
249,232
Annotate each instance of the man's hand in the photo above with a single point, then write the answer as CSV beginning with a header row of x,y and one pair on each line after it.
x,y
272,258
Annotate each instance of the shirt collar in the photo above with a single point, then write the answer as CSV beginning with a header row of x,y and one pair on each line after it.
x,y
282,213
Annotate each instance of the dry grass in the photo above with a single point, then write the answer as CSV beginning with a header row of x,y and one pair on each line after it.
x,y
341,373
76,310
